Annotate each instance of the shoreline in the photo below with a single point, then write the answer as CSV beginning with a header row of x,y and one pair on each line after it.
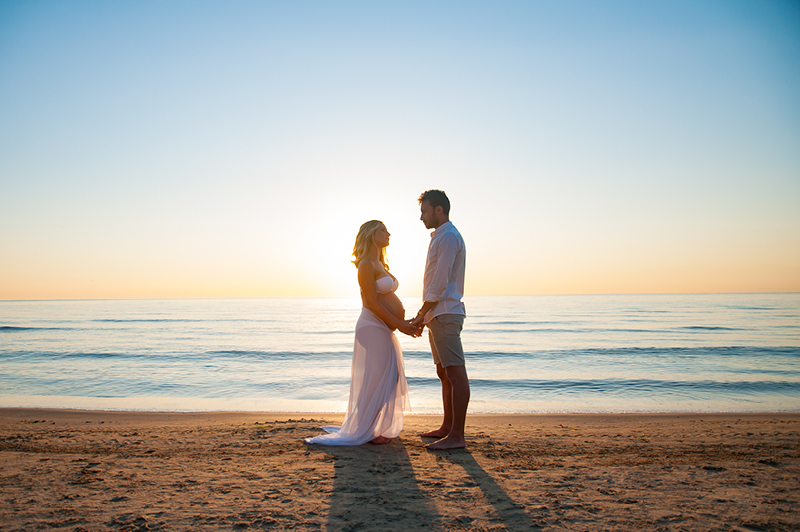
x,y
408,414
19,410
94,470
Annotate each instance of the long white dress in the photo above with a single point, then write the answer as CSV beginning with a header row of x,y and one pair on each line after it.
x,y
378,388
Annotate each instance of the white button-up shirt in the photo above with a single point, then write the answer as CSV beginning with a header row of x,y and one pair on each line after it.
x,y
444,272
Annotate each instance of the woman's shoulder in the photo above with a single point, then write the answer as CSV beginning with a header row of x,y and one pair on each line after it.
x,y
367,270
366,265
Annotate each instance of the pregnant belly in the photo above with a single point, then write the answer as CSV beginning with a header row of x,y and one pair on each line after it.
x,y
393,304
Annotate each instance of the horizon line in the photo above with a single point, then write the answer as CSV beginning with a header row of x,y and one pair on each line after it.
x,y
354,297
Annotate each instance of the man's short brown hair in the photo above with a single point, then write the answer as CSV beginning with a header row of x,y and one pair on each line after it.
x,y
436,198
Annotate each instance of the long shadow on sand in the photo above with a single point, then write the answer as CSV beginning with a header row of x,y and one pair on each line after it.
x,y
512,514
374,487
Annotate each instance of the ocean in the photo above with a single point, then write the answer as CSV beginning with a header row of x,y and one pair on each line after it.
x,y
526,354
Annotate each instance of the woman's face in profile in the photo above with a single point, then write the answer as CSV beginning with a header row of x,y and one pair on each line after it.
x,y
381,237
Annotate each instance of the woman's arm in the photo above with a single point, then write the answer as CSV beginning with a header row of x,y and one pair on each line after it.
x,y
369,295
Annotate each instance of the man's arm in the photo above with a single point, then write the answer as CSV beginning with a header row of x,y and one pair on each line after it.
x,y
426,307
434,293
447,249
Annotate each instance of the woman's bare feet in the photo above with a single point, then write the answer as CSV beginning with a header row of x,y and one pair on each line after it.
x,y
438,433
380,440
450,442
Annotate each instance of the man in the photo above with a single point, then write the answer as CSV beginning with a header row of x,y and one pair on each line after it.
x,y
443,313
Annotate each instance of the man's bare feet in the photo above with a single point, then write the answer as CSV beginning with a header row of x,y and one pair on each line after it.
x,y
438,433
380,440
450,442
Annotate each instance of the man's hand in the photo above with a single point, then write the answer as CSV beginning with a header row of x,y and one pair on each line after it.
x,y
417,322
406,327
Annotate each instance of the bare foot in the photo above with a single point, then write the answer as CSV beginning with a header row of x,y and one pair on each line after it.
x,y
380,440
450,442
438,433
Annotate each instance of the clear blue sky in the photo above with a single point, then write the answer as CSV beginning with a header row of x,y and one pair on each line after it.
x,y
161,149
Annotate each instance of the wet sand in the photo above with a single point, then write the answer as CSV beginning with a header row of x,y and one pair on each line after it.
x,y
78,471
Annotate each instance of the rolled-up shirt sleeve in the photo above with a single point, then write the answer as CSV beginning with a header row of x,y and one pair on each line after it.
x,y
445,255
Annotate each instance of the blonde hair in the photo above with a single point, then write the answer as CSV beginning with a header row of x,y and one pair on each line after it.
x,y
365,241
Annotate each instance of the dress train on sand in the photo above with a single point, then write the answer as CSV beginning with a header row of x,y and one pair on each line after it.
x,y
378,388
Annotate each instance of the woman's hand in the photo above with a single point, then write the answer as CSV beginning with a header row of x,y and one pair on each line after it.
x,y
406,327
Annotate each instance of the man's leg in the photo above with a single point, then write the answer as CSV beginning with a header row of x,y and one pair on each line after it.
x,y
459,401
447,403
445,332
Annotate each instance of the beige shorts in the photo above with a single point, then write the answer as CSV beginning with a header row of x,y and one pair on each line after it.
x,y
444,333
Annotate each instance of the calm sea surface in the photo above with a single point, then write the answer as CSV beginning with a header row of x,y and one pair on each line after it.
x,y
658,353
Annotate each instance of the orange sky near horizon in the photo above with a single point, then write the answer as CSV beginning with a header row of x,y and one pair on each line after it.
x,y
311,257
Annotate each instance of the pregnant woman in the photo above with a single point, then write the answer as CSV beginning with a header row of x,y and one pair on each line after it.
x,y
378,389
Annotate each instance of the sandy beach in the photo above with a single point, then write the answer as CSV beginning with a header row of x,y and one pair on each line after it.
x,y
80,470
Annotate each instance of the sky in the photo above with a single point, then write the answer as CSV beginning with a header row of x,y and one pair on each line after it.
x,y
232,149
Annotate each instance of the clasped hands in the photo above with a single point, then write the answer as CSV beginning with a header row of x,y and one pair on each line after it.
x,y
414,327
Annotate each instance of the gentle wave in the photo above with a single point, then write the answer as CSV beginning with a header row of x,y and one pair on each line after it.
x,y
727,351
10,329
598,330
790,352
335,388
707,328
147,320
639,385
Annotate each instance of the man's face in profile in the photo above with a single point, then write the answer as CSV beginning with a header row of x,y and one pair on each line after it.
x,y
428,216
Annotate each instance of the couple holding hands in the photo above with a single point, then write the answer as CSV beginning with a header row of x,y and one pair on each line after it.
x,y
378,388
